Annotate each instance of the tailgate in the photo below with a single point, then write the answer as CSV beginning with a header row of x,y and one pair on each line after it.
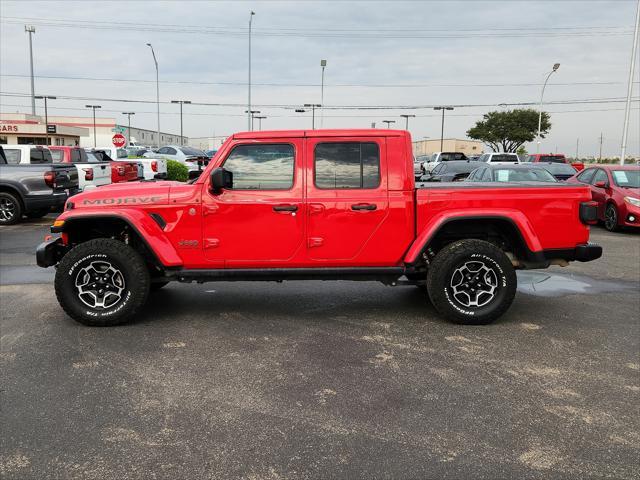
x,y
66,177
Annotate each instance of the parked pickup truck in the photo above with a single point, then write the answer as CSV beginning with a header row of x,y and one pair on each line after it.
x,y
92,173
33,189
314,205
122,170
151,168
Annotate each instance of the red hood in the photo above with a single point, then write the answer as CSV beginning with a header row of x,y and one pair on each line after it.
x,y
125,194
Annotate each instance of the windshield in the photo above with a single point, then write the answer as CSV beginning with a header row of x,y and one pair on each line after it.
x,y
552,158
504,158
522,175
448,156
626,178
192,152
560,169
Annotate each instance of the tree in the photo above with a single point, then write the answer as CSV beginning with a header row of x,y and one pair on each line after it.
x,y
507,131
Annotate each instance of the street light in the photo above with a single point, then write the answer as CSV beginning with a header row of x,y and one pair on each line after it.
x,y
249,99
323,64
407,117
313,107
181,102
128,114
94,107
30,29
442,127
251,114
556,66
157,90
46,114
260,118
388,122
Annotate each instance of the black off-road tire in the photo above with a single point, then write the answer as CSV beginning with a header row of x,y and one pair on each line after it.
x,y
38,213
11,209
494,269
611,218
130,283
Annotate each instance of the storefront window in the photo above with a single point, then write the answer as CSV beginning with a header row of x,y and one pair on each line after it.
x,y
3,140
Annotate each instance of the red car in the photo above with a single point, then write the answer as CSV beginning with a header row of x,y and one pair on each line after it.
x,y
553,158
616,188
314,205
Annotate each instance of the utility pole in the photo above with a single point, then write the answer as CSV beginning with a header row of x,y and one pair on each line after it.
x,y
157,90
407,117
556,66
442,127
600,157
577,147
128,114
388,122
30,29
46,114
323,64
181,102
249,83
260,118
94,107
313,107
632,69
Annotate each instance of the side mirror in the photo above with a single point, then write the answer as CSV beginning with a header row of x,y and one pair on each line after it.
x,y
600,184
221,179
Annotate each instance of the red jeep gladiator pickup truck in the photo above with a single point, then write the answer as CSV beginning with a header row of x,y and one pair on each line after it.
x,y
314,205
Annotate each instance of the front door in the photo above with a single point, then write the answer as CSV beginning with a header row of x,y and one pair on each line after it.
x,y
347,198
260,221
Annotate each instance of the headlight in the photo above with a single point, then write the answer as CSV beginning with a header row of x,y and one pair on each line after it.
x,y
633,201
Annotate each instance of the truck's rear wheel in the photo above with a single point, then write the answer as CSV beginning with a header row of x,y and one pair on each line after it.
x,y
102,282
471,282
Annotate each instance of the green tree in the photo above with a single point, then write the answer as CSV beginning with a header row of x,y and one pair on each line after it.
x,y
507,131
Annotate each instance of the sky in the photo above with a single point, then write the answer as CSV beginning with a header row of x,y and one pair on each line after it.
x,y
476,55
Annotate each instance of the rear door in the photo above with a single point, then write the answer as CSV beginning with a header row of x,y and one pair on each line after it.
x,y
599,194
347,197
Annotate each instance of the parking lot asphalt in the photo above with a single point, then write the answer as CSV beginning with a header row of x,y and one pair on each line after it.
x,y
324,379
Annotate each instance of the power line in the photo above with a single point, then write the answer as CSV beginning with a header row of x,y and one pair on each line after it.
x,y
333,85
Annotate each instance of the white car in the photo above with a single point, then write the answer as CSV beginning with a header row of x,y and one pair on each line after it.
x,y
148,168
499,158
193,158
438,157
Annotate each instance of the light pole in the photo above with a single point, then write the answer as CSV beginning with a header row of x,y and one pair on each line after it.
x,y
407,117
30,29
94,107
313,107
260,118
323,64
249,83
128,114
442,126
388,122
46,114
251,117
632,68
181,102
157,90
556,66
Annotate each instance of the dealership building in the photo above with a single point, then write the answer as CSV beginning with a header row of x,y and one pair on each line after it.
x,y
468,147
26,129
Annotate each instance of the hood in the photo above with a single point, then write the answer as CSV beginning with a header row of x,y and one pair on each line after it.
x,y
125,194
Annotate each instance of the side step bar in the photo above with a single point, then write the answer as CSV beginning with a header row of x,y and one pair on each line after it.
x,y
382,274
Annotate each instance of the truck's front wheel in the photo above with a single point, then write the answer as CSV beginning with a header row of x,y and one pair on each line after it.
x,y
471,282
102,282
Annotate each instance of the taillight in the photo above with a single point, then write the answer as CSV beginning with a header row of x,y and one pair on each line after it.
x,y
121,171
88,174
589,212
50,178
154,166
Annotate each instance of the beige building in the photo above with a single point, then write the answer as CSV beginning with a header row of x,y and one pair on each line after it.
x,y
468,147
26,129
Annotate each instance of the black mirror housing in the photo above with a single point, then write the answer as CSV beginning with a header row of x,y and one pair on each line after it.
x,y
221,179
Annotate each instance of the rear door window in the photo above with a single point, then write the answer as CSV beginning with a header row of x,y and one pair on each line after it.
x,y
13,155
587,175
347,165
39,155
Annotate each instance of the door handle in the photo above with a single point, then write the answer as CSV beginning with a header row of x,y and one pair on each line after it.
x,y
364,206
285,208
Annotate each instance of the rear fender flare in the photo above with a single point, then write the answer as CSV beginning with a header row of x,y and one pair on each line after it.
x,y
516,218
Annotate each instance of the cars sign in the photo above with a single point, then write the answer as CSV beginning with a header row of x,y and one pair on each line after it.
x,y
118,140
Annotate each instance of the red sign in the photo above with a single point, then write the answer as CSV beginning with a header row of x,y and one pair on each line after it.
x,y
119,140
